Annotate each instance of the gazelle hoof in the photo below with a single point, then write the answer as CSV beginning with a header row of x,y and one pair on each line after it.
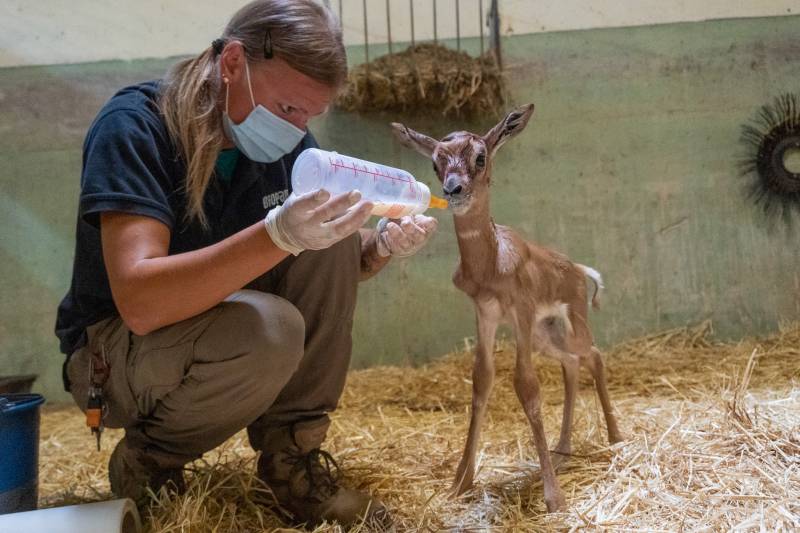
x,y
460,485
616,438
556,502
457,490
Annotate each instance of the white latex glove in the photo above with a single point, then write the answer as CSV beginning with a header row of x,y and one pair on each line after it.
x,y
407,237
314,220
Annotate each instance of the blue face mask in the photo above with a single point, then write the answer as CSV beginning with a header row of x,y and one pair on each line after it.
x,y
262,136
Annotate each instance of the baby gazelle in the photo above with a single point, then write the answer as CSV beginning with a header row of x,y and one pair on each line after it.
x,y
540,292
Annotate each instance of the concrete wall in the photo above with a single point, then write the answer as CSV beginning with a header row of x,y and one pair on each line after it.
x,y
628,165
48,32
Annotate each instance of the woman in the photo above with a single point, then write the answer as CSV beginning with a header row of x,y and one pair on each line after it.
x,y
205,298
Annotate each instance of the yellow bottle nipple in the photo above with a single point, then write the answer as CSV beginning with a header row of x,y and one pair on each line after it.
x,y
437,203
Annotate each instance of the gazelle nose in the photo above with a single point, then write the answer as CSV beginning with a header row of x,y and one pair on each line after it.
x,y
451,185
454,191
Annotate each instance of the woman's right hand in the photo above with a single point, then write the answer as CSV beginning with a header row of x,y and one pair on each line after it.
x,y
315,220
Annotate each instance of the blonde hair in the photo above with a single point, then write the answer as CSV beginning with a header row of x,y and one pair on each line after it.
x,y
301,32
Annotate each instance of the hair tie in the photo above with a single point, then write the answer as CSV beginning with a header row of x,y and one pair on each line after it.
x,y
268,53
217,45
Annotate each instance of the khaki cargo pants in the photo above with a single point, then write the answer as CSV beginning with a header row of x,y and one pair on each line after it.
x,y
272,354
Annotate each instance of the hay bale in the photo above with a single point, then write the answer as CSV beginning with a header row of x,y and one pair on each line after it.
x,y
426,78
713,443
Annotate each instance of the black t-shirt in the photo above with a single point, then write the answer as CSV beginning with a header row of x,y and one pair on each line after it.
x,y
131,165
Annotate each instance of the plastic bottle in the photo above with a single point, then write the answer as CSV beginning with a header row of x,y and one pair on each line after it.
x,y
394,192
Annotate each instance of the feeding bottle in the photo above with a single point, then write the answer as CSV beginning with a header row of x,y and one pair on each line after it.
x,y
394,192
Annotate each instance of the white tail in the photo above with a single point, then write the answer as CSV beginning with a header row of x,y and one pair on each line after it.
x,y
597,279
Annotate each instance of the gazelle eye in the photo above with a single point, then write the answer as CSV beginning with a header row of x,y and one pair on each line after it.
x,y
480,161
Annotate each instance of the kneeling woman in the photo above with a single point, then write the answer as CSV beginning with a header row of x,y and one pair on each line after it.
x,y
206,297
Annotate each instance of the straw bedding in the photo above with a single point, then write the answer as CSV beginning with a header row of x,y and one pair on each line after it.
x,y
713,444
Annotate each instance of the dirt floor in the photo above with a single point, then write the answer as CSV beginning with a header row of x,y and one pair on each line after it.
x,y
713,443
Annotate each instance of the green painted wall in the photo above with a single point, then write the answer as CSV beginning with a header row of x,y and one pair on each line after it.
x,y
628,166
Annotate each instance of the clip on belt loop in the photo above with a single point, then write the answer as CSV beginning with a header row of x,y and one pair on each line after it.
x,y
96,408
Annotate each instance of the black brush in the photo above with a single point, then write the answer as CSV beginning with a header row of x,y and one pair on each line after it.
x,y
769,138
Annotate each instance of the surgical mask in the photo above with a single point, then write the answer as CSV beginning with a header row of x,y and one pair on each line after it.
x,y
262,136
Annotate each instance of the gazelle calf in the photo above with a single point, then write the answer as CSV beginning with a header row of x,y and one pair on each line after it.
x,y
539,291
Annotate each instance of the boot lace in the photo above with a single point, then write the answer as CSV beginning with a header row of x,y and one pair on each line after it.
x,y
320,472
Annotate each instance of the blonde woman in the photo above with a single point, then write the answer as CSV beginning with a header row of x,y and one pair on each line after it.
x,y
205,297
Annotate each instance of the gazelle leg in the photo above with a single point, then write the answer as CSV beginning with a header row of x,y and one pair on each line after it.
x,y
597,368
570,367
554,336
488,315
526,384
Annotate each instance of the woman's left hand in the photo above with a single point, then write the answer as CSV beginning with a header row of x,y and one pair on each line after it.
x,y
404,237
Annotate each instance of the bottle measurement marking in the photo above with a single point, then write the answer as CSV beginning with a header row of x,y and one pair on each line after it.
x,y
374,174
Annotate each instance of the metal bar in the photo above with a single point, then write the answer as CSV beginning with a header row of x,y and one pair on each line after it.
x,y
340,11
480,22
435,34
458,25
366,37
389,24
494,15
411,8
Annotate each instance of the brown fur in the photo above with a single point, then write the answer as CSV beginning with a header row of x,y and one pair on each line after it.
x,y
538,290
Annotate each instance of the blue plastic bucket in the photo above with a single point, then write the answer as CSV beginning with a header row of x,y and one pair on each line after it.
x,y
19,451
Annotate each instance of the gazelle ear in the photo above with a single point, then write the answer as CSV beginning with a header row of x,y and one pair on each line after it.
x,y
510,126
414,139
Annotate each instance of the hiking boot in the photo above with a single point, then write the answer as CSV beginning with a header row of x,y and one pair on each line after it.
x,y
305,479
132,470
